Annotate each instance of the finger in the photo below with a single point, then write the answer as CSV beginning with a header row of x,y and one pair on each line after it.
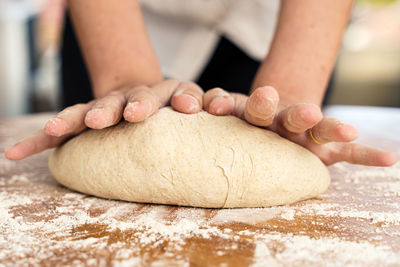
x,y
70,120
165,90
334,130
187,98
142,102
261,106
34,144
218,102
239,107
106,111
360,154
297,118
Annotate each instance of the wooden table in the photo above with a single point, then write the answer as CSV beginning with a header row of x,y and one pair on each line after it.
x,y
356,222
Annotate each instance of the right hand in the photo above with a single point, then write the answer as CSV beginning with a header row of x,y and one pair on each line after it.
x,y
135,104
293,121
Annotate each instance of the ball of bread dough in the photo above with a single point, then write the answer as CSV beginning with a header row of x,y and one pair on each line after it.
x,y
196,160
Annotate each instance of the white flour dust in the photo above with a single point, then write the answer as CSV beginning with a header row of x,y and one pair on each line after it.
x,y
36,226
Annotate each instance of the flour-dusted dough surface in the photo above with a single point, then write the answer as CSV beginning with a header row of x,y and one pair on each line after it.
x,y
196,160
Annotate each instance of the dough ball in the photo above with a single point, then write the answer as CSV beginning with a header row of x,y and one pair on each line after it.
x,y
197,160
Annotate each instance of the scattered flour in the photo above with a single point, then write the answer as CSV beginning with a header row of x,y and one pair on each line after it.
x,y
288,215
55,222
301,250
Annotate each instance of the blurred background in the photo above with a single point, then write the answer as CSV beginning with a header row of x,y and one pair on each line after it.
x,y
367,70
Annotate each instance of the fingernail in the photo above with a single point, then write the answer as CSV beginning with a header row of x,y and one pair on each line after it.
x,y
262,97
262,104
130,110
268,101
215,101
194,104
54,121
94,111
99,117
7,153
271,100
133,105
91,113
56,126
219,111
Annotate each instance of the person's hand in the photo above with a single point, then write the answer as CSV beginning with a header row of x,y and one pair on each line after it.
x,y
133,103
329,138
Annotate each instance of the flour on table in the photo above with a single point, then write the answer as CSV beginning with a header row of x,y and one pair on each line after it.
x,y
150,228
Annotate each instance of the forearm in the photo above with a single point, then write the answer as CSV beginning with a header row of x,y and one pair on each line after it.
x,y
115,44
304,49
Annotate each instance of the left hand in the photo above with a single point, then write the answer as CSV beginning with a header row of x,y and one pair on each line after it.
x,y
294,121
133,103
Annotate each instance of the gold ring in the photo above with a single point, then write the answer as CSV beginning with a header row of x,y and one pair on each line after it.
x,y
313,138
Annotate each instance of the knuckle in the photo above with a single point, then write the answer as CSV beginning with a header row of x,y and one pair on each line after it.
x,y
260,116
258,119
290,123
317,134
290,127
289,118
264,121
259,122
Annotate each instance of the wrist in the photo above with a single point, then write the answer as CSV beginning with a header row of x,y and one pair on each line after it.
x,y
292,85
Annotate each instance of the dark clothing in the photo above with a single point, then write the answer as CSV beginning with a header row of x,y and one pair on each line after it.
x,y
229,68
75,82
